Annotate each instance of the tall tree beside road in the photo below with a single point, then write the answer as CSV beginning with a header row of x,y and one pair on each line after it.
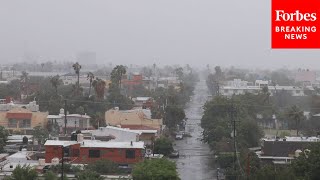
x,y
173,116
90,77
214,80
163,145
77,67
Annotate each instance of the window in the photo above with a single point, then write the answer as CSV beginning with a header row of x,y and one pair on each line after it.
x,y
25,123
94,153
12,123
297,91
75,153
130,154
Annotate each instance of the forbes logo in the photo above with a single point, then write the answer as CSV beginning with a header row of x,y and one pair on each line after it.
x,y
281,15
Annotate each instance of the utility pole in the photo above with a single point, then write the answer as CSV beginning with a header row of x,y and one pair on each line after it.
x,y
232,114
62,162
65,117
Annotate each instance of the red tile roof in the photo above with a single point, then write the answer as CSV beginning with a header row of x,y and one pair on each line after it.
x,y
138,127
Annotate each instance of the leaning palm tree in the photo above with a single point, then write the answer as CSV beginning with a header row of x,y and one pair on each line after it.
x,y
56,82
90,77
99,87
296,115
76,66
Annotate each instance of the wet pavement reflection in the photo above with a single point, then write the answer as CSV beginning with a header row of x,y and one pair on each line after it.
x,y
195,160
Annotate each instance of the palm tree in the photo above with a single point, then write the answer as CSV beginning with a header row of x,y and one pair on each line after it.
x,y
90,77
56,82
77,68
99,87
24,78
295,115
266,94
116,74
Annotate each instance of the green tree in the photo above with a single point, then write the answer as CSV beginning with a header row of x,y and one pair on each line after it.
x,y
56,82
307,165
80,110
49,175
99,87
179,72
155,169
163,145
173,116
296,117
97,120
116,75
103,167
23,173
115,98
40,134
3,137
90,77
76,67
88,175
24,80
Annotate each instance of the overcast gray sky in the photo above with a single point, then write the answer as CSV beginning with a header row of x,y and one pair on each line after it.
x,y
198,32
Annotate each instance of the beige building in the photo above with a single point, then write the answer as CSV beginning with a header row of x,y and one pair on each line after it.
x,y
21,119
141,117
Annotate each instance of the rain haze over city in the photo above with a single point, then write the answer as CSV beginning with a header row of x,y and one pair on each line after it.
x,y
154,90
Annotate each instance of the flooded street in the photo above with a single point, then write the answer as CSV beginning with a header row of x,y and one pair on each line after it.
x,y
195,162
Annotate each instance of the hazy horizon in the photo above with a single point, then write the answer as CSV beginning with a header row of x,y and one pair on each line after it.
x,y
225,33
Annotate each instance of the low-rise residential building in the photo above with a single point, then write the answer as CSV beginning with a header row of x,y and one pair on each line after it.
x,y
17,117
113,134
144,102
115,117
283,150
86,151
147,134
124,133
242,87
74,121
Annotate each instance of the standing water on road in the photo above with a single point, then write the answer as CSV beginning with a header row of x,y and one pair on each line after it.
x,y
195,162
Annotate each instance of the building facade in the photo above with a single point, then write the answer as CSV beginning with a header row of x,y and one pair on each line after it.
x,y
87,151
74,121
22,118
140,117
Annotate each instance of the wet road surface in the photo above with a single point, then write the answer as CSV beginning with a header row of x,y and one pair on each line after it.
x,y
195,162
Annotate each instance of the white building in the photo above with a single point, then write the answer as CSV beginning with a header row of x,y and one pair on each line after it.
x,y
238,87
74,121
32,106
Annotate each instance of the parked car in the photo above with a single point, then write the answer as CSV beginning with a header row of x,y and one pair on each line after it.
x,y
46,168
174,154
179,136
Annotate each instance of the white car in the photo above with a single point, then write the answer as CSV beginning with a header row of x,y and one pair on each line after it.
x,y
179,136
